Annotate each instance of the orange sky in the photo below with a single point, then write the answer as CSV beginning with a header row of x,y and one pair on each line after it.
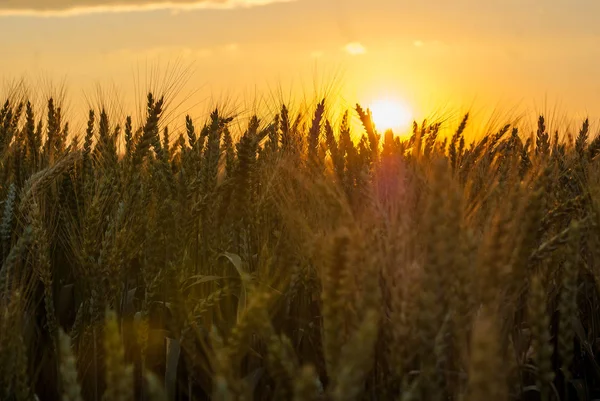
x,y
432,53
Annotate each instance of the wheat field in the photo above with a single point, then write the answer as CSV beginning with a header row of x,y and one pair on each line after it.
x,y
293,262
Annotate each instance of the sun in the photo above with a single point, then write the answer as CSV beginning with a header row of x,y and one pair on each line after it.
x,y
391,114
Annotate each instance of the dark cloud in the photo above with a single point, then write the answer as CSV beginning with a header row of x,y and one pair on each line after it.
x,y
78,7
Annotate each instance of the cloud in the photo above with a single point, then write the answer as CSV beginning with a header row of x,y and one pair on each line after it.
x,y
69,8
355,48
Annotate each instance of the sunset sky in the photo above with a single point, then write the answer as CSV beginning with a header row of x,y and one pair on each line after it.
x,y
427,53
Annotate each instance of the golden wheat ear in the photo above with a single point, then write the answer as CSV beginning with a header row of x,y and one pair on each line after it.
x,y
540,335
155,390
71,389
487,380
119,375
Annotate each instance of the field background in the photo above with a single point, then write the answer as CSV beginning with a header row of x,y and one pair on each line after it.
x,y
294,256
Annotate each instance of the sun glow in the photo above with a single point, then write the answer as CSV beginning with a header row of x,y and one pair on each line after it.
x,y
391,114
